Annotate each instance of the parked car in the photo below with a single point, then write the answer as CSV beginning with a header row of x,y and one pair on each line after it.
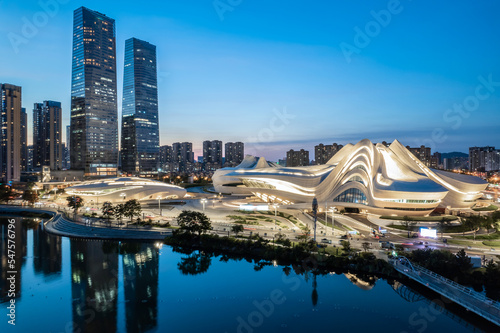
x,y
327,241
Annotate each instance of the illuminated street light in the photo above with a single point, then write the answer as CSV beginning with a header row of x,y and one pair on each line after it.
x,y
203,201
275,214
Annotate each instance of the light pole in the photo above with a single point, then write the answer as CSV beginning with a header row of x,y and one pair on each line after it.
x,y
159,207
203,201
333,220
275,214
315,213
326,213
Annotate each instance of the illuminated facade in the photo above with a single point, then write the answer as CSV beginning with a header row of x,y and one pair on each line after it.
x,y
140,145
122,189
370,177
94,113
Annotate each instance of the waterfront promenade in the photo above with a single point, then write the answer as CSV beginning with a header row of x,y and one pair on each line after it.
x,y
61,225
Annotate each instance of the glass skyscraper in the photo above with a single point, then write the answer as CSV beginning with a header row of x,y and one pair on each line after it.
x,y
140,145
94,114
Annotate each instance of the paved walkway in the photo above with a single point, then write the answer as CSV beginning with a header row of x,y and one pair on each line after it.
x,y
62,226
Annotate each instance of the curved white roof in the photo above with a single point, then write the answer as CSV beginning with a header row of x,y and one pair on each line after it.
x,y
362,175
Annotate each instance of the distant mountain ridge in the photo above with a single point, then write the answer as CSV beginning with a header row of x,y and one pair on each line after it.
x,y
454,154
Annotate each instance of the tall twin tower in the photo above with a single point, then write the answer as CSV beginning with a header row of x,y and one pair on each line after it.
x,y
94,110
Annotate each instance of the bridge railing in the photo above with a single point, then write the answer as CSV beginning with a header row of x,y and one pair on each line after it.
x,y
418,270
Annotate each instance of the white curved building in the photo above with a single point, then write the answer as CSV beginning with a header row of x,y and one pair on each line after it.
x,y
369,177
122,189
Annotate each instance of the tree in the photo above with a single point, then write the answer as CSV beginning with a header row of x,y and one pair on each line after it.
x,y
282,239
31,196
474,223
74,202
6,193
463,261
108,210
132,208
346,246
489,223
366,246
192,221
408,223
304,238
119,211
237,229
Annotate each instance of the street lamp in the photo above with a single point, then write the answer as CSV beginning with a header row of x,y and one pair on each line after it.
x,y
159,207
326,213
203,201
333,219
315,213
275,214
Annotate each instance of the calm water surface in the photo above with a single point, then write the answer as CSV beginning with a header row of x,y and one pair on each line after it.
x,y
68,285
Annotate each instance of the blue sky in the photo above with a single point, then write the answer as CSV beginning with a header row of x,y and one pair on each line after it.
x,y
225,73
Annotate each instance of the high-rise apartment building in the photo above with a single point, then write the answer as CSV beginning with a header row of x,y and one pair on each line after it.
x,y
423,153
140,140
94,114
10,135
47,135
24,140
234,153
67,151
183,156
166,158
297,158
323,153
483,159
212,155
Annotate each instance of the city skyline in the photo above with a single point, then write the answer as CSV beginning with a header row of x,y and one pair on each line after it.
x,y
225,79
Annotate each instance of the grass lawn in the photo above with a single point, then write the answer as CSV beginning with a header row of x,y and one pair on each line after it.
x,y
486,209
421,218
492,236
492,243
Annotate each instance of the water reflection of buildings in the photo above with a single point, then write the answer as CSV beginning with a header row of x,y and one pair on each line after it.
x,y
94,285
21,236
47,257
363,282
140,280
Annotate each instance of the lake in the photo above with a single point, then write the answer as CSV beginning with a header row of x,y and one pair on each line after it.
x,y
72,285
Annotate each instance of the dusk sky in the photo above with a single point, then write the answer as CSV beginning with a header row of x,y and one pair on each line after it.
x,y
427,73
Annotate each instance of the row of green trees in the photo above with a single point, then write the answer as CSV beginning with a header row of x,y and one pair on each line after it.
x,y
130,209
